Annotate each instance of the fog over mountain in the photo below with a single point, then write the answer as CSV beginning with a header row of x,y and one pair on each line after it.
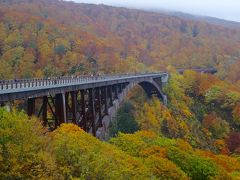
x,y
224,9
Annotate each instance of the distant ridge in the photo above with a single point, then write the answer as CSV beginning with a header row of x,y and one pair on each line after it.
x,y
58,37
212,20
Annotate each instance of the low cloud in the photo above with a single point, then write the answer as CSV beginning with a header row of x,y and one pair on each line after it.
x,y
225,9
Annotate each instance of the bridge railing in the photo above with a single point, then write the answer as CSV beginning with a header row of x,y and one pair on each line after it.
x,y
28,83
65,80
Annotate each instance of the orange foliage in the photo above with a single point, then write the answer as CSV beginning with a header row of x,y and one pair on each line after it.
x,y
236,114
222,146
154,151
229,163
205,82
55,30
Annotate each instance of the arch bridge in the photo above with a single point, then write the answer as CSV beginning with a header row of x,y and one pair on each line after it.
x,y
88,101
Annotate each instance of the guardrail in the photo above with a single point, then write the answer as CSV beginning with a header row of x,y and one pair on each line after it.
x,y
65,80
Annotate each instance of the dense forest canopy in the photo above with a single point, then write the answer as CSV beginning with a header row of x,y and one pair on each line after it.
x,y
49,37
195,136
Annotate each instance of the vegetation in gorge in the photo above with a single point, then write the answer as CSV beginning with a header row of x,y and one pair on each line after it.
x,y
202,109
191,138
124,121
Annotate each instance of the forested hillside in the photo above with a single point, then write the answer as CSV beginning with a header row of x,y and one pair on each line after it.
x,y
49,37
202,109
196,136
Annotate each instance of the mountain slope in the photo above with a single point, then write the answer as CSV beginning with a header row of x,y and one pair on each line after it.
x,y
211,20
57,37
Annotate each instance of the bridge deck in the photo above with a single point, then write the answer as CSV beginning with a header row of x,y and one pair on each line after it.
x,y
19,89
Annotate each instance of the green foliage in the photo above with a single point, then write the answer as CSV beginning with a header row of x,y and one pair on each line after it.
x,y
194,166
125,121
231,99
164,169
165,142
214,94
60,50
132,144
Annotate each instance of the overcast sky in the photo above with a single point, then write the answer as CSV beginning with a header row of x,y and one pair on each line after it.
x,y
225,9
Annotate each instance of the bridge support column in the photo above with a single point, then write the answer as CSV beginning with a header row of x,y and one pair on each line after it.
x,y
110,94
44,110
92,111
120,88
99,103
67,106
105,95
74,106
115,91
60,109
83,111
30,106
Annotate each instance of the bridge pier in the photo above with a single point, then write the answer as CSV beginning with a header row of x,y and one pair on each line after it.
x,y
44,110
110,94
92,111
105,100
74,106
2,104
60,106
30,106
67,108
116,92
83,111
99,105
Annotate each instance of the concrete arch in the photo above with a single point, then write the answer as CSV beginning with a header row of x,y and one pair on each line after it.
x,y
151,88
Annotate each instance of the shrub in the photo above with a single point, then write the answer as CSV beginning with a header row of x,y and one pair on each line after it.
x,y
164,169
124,121
80,155
194,166
233,142
132,144
218,127
24,148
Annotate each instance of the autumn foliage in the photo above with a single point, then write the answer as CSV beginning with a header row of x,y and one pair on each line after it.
x,y
195,136
41,38
190,138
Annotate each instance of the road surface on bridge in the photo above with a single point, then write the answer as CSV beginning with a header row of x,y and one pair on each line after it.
x,y
24,88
